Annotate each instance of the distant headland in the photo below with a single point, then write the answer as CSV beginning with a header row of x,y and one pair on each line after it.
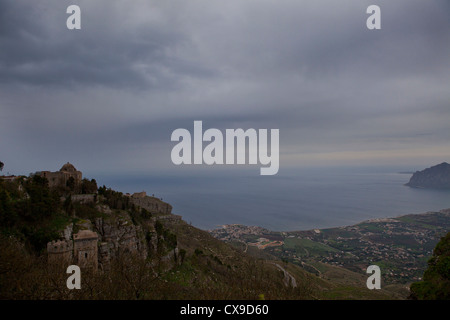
x,y
436,177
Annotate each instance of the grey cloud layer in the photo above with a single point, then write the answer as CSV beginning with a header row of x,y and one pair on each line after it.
x,y
138,70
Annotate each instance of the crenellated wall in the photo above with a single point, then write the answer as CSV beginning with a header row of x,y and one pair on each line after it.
x,y
60,252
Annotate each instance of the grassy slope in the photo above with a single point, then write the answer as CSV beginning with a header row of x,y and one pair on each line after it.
x,y
334,283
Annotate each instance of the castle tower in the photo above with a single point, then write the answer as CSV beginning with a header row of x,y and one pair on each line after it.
x,y
85,249
60,253
68,171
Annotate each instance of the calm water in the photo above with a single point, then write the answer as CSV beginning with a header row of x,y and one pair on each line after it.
x,y
300,200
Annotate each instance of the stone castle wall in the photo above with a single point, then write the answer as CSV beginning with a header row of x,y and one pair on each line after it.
x,y
84,198
95,249
60,252
82,250
85,249
151,204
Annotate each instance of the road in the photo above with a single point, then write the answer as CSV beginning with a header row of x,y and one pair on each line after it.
x,y
288,278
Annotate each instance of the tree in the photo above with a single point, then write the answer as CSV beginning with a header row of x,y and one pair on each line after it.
x,y
436,279
43,201
71,184
88,187
1,165
7,213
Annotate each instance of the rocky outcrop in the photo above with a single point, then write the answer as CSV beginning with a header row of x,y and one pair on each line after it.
x,y
66,234
118,234
436,177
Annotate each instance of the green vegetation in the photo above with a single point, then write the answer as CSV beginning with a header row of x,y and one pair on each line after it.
x,y
166,240
34,218
115,199
88,187
306,247
372,227
400,246
430,225
436,279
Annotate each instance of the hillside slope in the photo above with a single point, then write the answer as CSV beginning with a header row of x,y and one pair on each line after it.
x,y
400,246
144,252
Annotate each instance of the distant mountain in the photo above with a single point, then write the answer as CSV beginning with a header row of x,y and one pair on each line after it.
x,y
437,177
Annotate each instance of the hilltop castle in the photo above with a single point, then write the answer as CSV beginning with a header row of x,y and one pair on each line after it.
x,y
104,237
60,178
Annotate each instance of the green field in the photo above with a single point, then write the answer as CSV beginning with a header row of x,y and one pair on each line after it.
x,y
306,247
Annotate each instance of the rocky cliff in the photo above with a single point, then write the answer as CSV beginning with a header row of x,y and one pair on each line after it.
x,y
437,177
118,234
135,229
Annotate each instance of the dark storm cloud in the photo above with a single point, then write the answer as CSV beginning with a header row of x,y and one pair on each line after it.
x,y
36,48
137,70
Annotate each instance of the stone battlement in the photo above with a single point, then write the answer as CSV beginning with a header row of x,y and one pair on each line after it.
x,y
60,246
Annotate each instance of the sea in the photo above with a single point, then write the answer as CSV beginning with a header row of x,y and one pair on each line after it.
x,y
294,199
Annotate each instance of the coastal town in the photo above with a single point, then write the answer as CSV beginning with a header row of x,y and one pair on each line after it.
x,y
400,246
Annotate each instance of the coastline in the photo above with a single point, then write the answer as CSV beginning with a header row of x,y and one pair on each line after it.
x,y
400,245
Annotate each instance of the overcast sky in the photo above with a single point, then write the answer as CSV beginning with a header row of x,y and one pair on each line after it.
x,y
107,97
